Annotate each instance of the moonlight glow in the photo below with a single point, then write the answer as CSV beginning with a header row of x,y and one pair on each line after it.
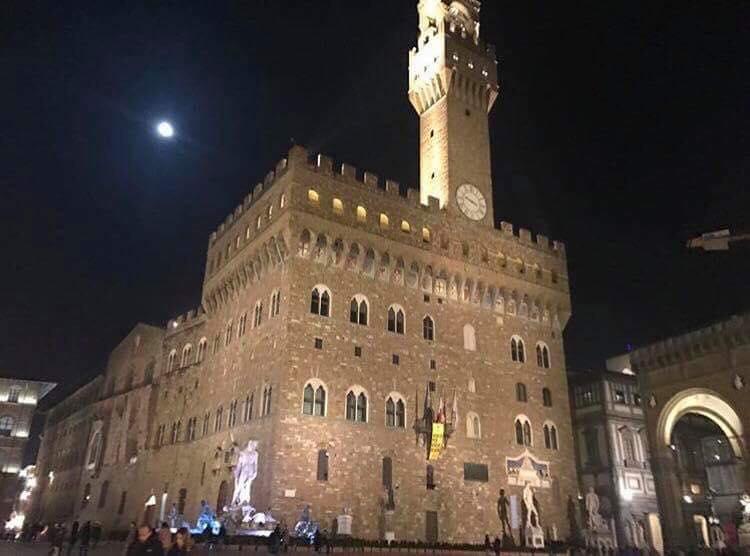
x,y
165,129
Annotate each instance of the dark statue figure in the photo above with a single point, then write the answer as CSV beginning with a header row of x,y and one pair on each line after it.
x,y
502,512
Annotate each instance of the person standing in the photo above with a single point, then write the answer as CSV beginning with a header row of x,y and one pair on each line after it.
x,y
180,546
85,539
73,536
147,543
165,536
130,539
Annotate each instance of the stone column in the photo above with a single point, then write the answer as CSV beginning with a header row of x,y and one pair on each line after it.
x,y
669,493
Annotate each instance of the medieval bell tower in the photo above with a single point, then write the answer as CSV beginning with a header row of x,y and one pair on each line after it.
x,y
453,86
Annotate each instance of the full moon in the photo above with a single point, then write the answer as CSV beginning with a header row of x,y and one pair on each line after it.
x,y
165,129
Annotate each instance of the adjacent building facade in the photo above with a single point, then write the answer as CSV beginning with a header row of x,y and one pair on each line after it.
x,y
340,317
697,418
612,451
18,403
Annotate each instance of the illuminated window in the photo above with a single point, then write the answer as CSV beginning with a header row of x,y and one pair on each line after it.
x,y
269,211
247,232
405,227
426,235
338,206
313,197
282,201
171,360
237,241
13,393
383,220
361,214
201,350
187,355
258,222
6,425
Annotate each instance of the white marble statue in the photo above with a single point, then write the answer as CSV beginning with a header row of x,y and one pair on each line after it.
x,y
592,510
531,509
245,473
745,502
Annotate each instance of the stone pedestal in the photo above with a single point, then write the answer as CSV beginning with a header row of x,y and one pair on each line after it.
x,y
601,538
534,537
344,524
743,535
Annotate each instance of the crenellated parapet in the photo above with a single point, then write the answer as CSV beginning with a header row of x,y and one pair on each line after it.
x,y
698,343
185,321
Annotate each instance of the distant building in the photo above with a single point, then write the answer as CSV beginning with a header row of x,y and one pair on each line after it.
x,y
697,402
612,451
18,402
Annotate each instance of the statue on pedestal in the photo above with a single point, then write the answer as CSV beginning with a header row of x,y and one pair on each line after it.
x,y
533,528
503,504
594,519
245,473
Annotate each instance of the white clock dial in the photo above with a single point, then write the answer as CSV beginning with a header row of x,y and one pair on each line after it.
x,y
471,201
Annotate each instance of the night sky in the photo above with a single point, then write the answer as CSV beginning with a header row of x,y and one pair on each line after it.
x,y
621,130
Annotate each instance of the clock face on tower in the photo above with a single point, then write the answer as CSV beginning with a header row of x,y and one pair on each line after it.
x,y
471,201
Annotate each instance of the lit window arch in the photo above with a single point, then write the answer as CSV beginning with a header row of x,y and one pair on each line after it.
x,y
383,220
521,393
550,436
242,325
315,398
396,319
282,200
426,235
356,404
320,301
428,328
313,197
473,425
395,411
337,206
517,349
405,227
542,355
361,214
187,354
359,310
523,432
202,346
470,338
171,360
6,425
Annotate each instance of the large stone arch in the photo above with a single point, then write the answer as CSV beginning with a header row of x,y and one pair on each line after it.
x,y
707,403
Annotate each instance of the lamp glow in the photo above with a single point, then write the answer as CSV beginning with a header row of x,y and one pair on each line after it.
x,y
165,130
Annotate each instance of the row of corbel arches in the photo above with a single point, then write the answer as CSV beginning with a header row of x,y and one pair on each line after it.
x,y
395,269
263,259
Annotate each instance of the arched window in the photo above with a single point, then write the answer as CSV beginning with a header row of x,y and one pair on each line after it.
x,y
282,200
266,401
470,340
242,325
219,419
550,436
361,214
428,328
405,227
356,405
473,425
95,448
517,350
314,399
521,395
228,333
396,319
201,355
6,425
258,313
304,243
322,472
320,301
395,411
248,412
542,356
547,397
187,353
313,197
171,360
338,206
275,303
232,414
358,310
383,220
523,431
426,235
